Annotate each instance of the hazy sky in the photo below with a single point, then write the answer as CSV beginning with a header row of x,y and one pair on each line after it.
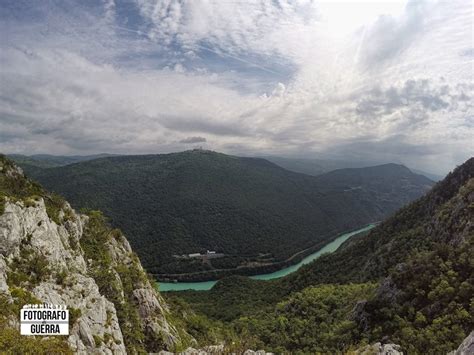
x,y
387,81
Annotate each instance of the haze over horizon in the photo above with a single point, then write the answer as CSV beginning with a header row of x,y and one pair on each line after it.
x,y
279,160
380,81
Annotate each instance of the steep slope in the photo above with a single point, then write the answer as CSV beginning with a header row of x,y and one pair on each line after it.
x,y
414,275
255,212
444,215
48,253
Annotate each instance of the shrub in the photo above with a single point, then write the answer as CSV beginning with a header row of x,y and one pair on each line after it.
x,y
74,315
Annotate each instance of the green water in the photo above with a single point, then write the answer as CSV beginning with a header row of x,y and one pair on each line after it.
x,y
207,285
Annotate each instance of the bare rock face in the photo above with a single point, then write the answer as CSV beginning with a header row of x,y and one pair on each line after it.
x,y
466,347
360,315
215,350
387,290
3,278
45,258
380,349
151,306
29,231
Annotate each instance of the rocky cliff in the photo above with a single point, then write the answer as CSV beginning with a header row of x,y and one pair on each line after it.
x,y
466,347
49,253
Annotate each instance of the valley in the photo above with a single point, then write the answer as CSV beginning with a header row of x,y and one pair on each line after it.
x,y
406,278
207,285
410,279
194,201
265,177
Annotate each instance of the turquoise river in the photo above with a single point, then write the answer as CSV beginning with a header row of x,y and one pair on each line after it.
x,y
207,285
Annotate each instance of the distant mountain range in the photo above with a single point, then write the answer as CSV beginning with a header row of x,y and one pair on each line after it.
x,y
255,212
313,167
320,166
51,161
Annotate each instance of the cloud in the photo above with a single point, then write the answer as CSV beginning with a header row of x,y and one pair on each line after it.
x,y
412,95
277,77
469,52
389,36
279,90
203,125
191,140
230,27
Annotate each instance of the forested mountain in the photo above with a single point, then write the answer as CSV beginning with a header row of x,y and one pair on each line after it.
x,y
444,215
313,167
317,167
409,281
250,209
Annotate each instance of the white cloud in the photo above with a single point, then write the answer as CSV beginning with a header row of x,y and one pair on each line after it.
x,y
279,90
374,83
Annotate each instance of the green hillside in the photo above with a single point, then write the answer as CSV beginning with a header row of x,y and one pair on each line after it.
x,y
409,281
255,212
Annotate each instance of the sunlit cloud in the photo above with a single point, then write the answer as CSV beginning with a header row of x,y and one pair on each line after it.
x,y
389,80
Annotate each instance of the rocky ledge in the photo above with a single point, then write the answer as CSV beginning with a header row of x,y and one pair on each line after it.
x,y
51,254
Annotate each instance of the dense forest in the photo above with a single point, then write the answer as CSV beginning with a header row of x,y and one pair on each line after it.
x,y
409,281
249,209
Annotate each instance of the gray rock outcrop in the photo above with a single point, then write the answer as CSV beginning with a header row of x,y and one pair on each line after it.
x,y
380,349
466,347
215,350
45,258
29,230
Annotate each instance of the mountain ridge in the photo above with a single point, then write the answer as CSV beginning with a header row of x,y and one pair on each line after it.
x,y
317,167
312,167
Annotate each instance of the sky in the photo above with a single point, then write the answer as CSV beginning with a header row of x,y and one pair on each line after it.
x,y
374,80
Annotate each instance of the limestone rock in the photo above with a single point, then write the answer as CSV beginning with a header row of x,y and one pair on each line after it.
x,y
30,229
380,349
62,275
360,315
387,290
3,278
215,350
466,347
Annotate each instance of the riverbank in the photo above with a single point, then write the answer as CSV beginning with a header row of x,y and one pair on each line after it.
x,y
328,248
248,270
